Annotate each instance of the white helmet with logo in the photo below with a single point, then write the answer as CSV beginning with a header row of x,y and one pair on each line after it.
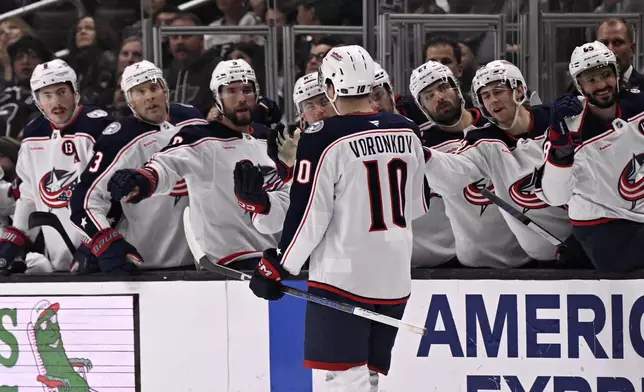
x,y
350,69
501,71
50,73
428,74
306,87
139,73
231,71
381,78
591,55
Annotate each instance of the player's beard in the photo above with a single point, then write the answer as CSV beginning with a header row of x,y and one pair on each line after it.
x,y
231,114
603,104
449,117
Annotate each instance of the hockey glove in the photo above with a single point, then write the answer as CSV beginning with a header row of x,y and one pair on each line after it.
x,y
571,255
267,112
249,188
562,141
282,149
115,255
266,281
133,185
84,261
13,245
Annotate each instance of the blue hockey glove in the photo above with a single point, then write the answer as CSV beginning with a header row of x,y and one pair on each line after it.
x,y
84,261
13,245
267,112
132,185
566,106
266,281
249,188
571,255
115,255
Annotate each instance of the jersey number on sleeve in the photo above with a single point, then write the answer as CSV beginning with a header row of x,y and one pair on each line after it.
x,y
397,173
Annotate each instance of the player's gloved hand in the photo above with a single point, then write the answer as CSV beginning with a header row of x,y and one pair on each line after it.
x,y
249,188
132,185
115,255
13,246
84,261
267,112
266,281
571,255
561,140
282,148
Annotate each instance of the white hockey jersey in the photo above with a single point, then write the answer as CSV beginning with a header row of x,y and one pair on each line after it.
x,y
357,186
606,180
482,236
205,156
153,226
511,163
50,163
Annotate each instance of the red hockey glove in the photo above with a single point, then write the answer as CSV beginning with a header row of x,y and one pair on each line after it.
x,y
115,255
266,281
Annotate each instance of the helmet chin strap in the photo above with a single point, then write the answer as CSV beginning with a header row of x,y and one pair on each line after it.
x,y
516,111
332,100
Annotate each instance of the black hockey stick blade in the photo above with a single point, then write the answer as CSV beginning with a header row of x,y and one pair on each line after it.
x,y
205,263
42,218
522,218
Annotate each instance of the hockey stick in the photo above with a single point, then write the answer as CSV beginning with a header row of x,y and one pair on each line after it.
x,y
42,218
208,265
522,218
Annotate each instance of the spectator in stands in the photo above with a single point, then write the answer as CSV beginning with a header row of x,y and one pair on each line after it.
x,y
11,30
119,108
131,52
469,65
617,34
163,16
317,53
448,53
189,75
236,13
17,106
258,8
92,54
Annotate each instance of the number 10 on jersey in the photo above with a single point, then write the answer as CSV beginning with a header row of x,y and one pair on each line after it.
x,y
397,179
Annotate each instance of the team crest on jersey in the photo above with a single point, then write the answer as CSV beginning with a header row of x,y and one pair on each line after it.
x,y
56,187
97,114
631,181
522,193
112,128
315,127
473,195
640,126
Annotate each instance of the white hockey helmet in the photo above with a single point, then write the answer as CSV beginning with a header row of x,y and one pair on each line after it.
x,y
498,71
591,55
381,78
306,87
350,69
139,73
428,74
50,73
230,71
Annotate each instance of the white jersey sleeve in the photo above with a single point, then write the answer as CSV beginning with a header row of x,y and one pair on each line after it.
x,y
26,204
272,222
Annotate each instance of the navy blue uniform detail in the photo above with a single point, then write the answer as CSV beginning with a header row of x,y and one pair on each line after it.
x,y
435,135
615,246
312,145
540,122
338,341
110,146
41,127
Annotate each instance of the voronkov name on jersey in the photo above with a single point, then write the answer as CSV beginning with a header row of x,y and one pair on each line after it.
x,y
377,144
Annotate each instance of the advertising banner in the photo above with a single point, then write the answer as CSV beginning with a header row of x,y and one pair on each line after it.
x,y
63,343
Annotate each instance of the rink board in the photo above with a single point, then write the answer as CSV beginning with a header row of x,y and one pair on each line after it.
x,y
202,336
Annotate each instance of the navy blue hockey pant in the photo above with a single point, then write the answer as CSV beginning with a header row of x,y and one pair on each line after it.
x,y
615,246
336,341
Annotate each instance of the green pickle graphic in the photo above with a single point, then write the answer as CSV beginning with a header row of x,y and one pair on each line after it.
x,y
59,368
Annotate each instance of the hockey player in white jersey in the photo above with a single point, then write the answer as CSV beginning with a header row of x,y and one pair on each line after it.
x,y
508,151
206,156
382,96
55,149
481,235
312,106
357,185
152,230
594,155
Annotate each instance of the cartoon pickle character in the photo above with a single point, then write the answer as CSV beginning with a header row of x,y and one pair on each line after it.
x,y
57,372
